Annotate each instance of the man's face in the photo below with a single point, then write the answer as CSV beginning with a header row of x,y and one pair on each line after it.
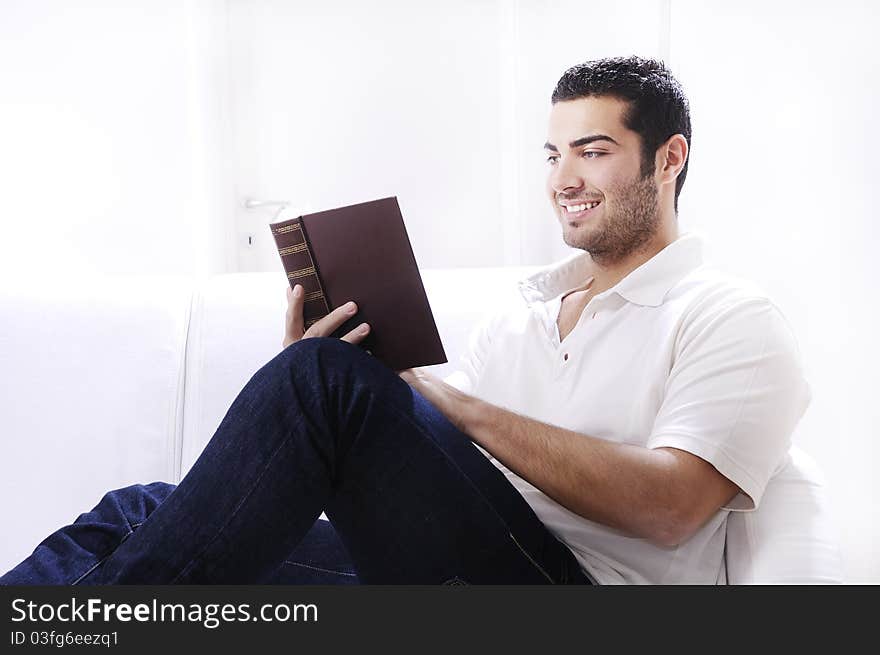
x,y
594,182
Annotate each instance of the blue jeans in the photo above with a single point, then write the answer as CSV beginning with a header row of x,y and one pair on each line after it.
x,y
322,427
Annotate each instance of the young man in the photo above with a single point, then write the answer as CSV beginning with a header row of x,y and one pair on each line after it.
x,y
601,432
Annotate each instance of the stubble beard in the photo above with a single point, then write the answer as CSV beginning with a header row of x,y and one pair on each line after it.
x,y
624,229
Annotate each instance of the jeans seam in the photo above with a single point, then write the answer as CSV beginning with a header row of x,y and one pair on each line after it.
x,y
94,566
318,568
131,528
532,560
450,460
233,513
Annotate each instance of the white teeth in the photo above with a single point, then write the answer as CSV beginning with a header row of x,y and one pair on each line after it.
x,y
571,209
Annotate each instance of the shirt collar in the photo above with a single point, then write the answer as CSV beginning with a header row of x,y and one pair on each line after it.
x,y
646,285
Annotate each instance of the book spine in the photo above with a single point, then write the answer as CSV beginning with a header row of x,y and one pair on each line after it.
x,y
299,264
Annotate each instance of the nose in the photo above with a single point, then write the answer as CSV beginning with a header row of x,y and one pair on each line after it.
x,y
564,177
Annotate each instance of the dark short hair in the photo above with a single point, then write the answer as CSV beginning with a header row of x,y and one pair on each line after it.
x,y
658,107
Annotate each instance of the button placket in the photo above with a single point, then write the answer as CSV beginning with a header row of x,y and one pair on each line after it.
x,y
590,313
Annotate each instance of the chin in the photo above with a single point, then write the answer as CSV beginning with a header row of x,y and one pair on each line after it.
x,y
576,237
578,244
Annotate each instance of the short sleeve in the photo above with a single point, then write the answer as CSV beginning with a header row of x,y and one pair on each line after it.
x,y
735,393
471,363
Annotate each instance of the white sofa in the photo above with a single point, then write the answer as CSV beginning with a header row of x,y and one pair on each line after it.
x,y
110,381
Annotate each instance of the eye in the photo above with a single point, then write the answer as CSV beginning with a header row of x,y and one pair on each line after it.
x,y
593,154
553,159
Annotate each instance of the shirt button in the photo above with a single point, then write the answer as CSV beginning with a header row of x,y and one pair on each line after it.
x,y
565,357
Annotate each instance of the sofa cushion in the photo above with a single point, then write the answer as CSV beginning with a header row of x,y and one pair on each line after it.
x,y
791,538
236,326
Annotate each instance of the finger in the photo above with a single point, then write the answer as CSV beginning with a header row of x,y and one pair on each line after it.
x,y
292,293
293,328
329,324
293,302
358,334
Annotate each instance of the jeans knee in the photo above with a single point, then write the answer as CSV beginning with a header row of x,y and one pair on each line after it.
x,y
313,347
320,358
331,376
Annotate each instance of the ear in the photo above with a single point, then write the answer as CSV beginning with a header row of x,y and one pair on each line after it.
x,y
670,159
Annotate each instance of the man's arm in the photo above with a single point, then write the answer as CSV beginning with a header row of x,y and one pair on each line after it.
x,y
661,494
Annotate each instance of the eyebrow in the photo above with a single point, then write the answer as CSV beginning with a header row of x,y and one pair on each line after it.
x,y
584,140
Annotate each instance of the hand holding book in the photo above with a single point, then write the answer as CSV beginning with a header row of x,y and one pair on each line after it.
x,y
294,323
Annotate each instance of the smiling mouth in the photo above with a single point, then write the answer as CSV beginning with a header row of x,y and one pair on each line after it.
x,y
573,209
580,210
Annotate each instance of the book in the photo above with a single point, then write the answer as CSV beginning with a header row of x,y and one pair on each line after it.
x,y
362,253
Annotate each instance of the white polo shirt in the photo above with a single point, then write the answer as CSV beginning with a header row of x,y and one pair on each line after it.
x,y
676,354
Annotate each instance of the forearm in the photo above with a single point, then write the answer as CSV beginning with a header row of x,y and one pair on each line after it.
x,y
633,489
627,487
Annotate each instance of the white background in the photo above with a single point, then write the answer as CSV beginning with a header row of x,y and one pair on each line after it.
x,y
131,132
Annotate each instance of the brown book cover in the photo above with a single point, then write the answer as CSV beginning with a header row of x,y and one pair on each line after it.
x,y
362,253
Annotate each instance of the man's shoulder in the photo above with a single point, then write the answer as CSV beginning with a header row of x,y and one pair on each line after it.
x,y
709,289
708,300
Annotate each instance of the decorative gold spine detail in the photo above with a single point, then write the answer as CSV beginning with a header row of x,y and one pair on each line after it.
x,y
292,250
287,228
303,272
297,248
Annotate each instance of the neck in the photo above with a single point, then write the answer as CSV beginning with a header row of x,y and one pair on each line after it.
x,y
608,273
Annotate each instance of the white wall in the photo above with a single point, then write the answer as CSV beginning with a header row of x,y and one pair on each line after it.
x,y
109,127
781,181
344,101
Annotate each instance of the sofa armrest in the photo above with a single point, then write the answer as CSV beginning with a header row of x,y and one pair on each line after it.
x,y
91,395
